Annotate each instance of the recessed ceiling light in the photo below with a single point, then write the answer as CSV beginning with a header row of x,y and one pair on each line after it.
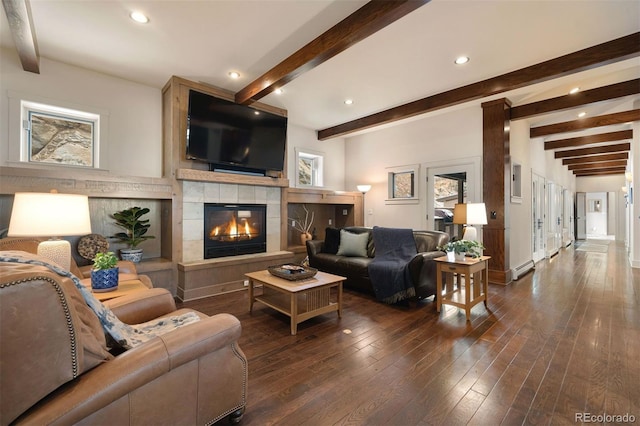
x,y
139,17
234,74
278,91
462,60
574,90
582,114
348,101
256,112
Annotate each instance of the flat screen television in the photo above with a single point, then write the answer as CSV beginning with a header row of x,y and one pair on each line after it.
x,y
234,137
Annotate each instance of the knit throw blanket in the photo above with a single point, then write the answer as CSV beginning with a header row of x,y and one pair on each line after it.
x,y
389,269
127,336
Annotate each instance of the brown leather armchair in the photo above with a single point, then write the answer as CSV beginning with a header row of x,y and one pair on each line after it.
x,y
55,367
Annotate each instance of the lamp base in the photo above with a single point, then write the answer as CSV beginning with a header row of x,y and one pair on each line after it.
x,y
470,233
57,251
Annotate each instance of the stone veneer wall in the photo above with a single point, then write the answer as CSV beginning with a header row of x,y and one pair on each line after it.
x,y
195,194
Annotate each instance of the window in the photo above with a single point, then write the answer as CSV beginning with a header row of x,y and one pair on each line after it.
x,y
309,166
56,135
403,185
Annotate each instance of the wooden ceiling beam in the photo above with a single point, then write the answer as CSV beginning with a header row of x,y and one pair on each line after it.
x,y
605,93
592,57
364,22
24,36
590,139
585,123
595,158
599,165
620,147
617,171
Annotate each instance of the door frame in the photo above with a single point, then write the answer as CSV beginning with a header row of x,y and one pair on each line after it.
x,y
581,205
473,168
538,195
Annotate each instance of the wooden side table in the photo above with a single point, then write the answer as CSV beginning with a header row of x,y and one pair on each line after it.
x,y
124,287
468,292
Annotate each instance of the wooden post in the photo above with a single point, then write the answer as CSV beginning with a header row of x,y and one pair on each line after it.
x,y
496,179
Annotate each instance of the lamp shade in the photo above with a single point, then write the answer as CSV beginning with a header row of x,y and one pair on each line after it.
x,y
363,188
36,214
470,214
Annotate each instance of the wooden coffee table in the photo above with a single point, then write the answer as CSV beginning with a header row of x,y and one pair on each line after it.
x,y
300,300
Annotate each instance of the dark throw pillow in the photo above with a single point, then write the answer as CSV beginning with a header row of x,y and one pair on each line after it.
x,y
331,240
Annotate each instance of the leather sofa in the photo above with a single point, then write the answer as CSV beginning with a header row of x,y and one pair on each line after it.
x,y
56,367
355,268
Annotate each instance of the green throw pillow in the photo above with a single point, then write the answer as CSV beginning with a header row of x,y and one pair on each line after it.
x,y
353,244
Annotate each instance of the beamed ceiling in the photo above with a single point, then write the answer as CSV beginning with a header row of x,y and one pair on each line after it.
x,y
603,155
603,139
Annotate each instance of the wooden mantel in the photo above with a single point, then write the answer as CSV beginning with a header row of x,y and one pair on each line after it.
x,y
233,178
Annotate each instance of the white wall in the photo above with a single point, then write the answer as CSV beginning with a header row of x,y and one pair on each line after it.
x,y
521,214
132,143
332,150
634,209
597,220
441,137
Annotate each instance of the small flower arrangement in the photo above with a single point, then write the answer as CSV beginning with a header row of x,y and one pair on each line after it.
x,y
472,248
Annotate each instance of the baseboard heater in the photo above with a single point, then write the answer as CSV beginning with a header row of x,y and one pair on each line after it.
x,y
522,269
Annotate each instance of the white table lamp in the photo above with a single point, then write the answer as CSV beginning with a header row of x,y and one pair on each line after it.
x,y
470,214
36,214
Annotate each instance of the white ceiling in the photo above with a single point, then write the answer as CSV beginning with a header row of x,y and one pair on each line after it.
x,y
408,60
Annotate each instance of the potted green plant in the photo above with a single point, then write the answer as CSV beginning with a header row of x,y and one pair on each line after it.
x,y
135,231
104,275
462,248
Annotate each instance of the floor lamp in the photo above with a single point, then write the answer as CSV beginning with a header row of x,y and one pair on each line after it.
x,y
54,215
364,189
470,214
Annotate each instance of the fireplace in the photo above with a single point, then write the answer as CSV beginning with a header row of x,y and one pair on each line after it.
x,y
234,229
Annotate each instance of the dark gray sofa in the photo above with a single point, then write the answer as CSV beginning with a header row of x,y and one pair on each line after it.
x,y
355,268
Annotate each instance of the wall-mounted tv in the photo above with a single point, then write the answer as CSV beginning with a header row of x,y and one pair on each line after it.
x,y
234,137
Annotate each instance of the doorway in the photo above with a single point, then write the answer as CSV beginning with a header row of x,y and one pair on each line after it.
x,y
581,215
448,184
554,215
538,225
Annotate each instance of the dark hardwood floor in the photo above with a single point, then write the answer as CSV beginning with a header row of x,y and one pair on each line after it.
x,y
562,340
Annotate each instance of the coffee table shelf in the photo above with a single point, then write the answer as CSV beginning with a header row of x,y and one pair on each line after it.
x,y
300,300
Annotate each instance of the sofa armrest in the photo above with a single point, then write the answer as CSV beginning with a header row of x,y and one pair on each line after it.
x,y
314,247
145,371
142,306
423,272
430,255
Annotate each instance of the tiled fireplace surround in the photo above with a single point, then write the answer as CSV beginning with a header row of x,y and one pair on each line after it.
x,y
198,277
195,194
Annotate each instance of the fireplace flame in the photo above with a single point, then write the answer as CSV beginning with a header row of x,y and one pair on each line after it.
x,y
230,231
